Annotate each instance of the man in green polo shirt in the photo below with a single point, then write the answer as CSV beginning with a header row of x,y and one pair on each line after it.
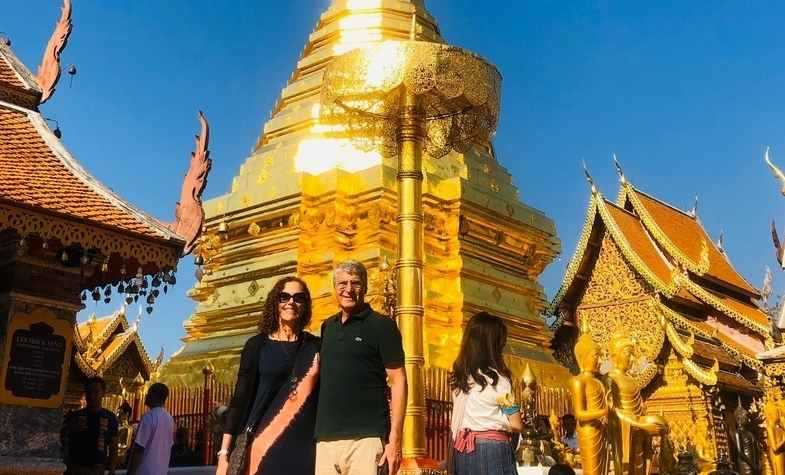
x,y
357,431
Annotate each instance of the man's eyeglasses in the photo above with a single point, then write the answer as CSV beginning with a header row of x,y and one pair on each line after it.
x,y
352,285
299,297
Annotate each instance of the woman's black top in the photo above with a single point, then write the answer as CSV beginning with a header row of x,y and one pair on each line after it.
x,y
265,366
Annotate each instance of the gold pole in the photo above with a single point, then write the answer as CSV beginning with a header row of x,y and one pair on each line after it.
x,y
409,309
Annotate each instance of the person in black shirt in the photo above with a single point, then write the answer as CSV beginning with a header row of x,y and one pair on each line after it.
x,y
89,435
357,431
274,401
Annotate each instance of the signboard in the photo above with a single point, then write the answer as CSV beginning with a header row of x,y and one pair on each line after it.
x,y
36,357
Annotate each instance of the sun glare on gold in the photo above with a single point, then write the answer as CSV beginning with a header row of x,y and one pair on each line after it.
x,y
321,154
363,4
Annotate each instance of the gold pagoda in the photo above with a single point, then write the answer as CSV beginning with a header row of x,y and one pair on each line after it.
x,y
649,270
302,203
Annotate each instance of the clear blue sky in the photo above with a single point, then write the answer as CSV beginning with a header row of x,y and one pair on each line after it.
x,y
686,93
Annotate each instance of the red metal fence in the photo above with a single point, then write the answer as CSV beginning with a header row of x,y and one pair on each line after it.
x,y
194,409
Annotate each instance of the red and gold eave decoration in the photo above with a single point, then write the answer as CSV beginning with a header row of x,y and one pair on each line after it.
x,y
54,209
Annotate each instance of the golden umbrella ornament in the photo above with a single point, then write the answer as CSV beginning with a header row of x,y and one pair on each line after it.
x,y
406,100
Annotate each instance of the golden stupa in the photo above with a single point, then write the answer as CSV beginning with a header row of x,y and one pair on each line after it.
x,y
302,203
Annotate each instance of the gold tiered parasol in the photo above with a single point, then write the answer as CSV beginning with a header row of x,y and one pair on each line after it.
x,y
365,93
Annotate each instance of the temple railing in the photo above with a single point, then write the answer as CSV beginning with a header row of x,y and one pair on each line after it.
x,y
195,412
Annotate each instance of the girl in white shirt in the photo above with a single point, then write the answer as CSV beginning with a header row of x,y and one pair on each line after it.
x,y
484,413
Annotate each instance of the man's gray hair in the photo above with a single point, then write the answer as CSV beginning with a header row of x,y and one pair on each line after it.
x,y
354,268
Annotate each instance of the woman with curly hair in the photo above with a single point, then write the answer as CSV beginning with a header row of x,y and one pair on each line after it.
x,y
272,414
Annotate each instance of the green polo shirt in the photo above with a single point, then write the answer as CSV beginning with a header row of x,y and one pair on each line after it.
x,y
353,382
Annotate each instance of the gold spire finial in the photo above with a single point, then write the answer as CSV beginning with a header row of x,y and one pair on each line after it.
x,y
619,170
589,178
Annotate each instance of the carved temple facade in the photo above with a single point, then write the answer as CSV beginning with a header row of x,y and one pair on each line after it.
x,y
650,270
300,204
110,348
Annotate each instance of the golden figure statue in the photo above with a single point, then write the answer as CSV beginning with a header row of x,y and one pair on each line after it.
x,y
125,431
631,429
591,408
774,412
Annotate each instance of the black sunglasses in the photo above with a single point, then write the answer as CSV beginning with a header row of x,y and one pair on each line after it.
x,y
299,297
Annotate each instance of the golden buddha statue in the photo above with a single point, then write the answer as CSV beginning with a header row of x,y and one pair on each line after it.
x,y
631,429
591,408
774,412
125,432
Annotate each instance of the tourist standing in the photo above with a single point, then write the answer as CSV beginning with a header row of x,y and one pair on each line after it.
x,y
357,429
271,417
484,413
154,436
89,435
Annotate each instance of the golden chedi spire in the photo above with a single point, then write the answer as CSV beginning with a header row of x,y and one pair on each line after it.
x,y
346,25
303,202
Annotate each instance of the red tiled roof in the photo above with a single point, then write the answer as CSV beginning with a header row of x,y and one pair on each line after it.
x,y
687,234
32,174
17,84
8,76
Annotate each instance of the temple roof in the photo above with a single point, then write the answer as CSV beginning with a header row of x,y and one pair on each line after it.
x,y
47,194
17,84
683,237
634,234
673,253
100,342
37,172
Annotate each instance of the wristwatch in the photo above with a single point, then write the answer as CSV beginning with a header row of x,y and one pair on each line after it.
x,y
222,452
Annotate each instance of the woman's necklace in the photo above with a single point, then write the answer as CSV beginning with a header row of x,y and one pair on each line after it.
x,y
290,356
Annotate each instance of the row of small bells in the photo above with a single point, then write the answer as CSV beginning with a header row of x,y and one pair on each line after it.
x,y
133,288
138,286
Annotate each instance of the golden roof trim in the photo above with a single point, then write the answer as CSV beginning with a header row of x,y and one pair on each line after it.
x,y
129,336
707,377
83,365
715,303
669,289
116,319
628,191
683,348
577,257
597,206
684,323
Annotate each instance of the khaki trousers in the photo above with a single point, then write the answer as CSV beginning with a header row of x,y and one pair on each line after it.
x,y
349,457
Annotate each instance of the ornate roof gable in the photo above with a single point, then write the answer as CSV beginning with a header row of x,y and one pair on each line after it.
x,y
683,237
631,238
637,225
